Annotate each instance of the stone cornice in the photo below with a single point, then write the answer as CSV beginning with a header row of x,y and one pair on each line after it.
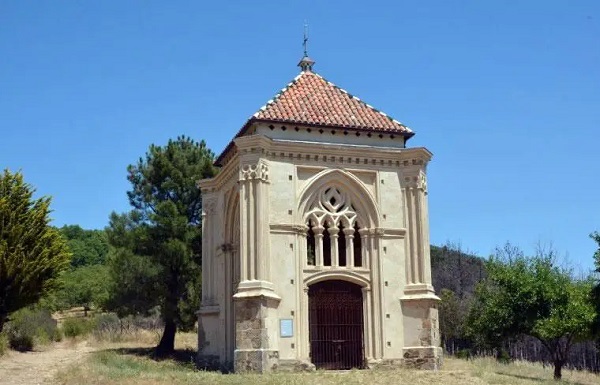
x,y
260,146
222,178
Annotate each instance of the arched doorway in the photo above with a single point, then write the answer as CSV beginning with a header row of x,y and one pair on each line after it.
x,y
336,325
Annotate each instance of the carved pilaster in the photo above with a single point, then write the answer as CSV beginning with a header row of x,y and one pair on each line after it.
x,y
254,228
415,198
209,207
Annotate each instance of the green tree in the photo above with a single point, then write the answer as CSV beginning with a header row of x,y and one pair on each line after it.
x,y
596,289
532,296
32,253
161,237
85,286
451,318
89,247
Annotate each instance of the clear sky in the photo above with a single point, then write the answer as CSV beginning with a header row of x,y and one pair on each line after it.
x,y
506,94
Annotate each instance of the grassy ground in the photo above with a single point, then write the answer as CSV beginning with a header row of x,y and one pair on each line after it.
x,y
130,363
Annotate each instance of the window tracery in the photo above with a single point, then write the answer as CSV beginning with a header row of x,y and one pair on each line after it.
x,y
333,237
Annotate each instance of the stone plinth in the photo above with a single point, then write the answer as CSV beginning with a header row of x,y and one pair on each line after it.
x,y
256,350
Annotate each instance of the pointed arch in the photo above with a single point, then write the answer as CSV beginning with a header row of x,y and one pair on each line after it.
x,y
348,186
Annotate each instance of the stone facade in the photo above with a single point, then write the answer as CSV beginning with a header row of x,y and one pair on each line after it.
x,y
297,204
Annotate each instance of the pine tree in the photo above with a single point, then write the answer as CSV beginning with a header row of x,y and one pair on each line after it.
x,y
160,239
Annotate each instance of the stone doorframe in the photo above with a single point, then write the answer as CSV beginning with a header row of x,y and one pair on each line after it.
x,y
371,320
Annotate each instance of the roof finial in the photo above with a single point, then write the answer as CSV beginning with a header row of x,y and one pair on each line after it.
x,y
306,63
305,42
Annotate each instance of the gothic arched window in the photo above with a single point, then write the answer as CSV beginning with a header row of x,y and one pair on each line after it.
x,y
333,237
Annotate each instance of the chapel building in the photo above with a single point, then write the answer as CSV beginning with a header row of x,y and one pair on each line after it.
x,y
316,239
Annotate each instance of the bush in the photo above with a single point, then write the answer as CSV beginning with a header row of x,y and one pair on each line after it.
x,y
28,327
3,344
107,327
75,327
464,354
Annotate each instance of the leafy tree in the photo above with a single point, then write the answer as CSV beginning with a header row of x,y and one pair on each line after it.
x,y
32,253
451,317
532,296
85,286
596,289
160,239
89,247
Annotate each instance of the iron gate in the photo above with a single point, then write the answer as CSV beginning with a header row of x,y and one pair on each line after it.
x,y
336,325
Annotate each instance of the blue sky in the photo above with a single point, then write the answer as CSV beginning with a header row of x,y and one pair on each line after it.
x,y
506,94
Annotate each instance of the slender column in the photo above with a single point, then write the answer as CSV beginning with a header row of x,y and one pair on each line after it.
x,y
205,235
335,255
251,232
304,341
262,219
368,327
208,251
300,252
349,233
412,236
418,234
364,245
425,227
415,190
243,254
318,230
377,296
376,251
211,255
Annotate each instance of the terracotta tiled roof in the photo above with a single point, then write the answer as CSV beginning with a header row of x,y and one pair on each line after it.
x,y
312,100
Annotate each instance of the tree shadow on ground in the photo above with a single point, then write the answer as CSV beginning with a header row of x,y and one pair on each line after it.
x,y
182,357
537,379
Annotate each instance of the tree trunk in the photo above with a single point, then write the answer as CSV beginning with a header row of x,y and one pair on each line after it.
x,y
166,346
558,369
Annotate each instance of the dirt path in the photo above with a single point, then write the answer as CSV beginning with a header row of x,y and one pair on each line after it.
x,y
39,367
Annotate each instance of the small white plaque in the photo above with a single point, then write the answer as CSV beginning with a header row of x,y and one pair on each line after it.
x,y
286,327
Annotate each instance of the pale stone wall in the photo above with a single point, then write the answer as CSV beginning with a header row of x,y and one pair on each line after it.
x,y
274,179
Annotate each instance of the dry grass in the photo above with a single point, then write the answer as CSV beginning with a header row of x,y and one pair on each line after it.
x,y
129,363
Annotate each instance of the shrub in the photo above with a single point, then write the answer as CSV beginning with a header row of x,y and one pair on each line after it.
x,y
74,327
464,354
107,327
3,344
28,327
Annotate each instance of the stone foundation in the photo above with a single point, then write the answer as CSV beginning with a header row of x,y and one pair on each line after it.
x,y
256,360
255,352
428,358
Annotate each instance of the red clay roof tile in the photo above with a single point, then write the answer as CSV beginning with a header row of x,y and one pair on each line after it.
x,y
312,100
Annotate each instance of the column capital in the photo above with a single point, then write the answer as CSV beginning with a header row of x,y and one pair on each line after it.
x,y
333,231
349,232
364,233
255,171
415,179
300,229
